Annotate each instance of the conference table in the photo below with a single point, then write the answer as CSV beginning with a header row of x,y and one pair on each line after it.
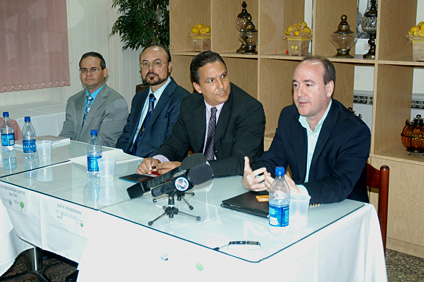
x,y
97,225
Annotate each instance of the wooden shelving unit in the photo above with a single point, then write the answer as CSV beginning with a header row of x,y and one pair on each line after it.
x,y
268,77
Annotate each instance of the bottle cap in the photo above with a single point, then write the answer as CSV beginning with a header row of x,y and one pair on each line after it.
x,y
27,119
5,114
93,132
279,171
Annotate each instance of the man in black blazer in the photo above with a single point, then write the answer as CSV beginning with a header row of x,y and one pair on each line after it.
x,y
325,145
142,135
240,122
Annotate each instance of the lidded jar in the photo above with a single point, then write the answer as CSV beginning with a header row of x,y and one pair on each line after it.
x,y
343,39
413,135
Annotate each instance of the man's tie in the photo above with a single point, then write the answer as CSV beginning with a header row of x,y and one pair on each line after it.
x,y
152,100
87,106
209,153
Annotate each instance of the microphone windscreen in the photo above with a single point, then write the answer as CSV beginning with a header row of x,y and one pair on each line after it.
x,y
200,173
137,190
193,160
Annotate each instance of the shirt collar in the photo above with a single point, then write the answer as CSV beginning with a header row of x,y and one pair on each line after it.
x,y
94,94
305,124
160,90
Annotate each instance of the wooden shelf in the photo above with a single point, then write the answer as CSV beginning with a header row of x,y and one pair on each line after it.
x,y
267,76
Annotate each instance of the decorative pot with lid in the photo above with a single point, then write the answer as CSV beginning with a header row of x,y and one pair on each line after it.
x,y
413,135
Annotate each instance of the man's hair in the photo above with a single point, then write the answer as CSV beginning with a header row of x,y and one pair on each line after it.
x,y
329,70
160,46
94,54
202,59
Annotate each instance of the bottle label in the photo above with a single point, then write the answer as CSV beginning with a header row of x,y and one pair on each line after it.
x,y
92,163
279,215
8,139
29,146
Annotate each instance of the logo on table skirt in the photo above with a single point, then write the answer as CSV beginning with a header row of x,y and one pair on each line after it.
x,y
181,183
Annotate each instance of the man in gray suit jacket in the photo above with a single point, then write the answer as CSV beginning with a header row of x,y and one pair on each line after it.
x,y
96,107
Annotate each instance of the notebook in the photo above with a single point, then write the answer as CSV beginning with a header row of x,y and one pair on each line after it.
x,y
248,203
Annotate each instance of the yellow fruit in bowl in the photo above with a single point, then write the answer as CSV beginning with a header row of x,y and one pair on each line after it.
x,y
296,26
420,24
421,32
194,30
203,31
208,28
414,30
303,24
296,33
199,26
306,30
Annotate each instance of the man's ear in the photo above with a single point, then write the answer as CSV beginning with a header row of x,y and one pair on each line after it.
x,y
330,88
105,72
197,87
169,68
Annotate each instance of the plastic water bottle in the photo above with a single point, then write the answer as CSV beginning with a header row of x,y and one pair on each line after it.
x,y
28,141
8,143
279,203
7,131
94,153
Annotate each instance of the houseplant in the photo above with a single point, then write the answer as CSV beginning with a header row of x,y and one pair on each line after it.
x,y
142,22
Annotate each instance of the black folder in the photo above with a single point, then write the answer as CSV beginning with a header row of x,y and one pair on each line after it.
x,y
248,203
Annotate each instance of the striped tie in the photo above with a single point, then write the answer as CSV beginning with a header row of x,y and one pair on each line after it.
x,y
209,153
87,106
152,100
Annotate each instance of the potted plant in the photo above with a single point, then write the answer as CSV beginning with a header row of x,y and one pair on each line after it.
x,y
142,22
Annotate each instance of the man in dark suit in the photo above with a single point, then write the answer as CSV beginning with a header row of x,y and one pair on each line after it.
x,y
145,132
96,107
325,145
220,120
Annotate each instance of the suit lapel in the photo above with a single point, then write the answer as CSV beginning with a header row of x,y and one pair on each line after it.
x,y
324,135
300,146
160,105
224,118
199,123
97,103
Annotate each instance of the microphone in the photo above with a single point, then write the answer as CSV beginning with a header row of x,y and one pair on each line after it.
x,y
138,189
187,163
196,175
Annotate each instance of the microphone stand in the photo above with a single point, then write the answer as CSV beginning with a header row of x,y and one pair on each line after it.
x,y
171,210
181,194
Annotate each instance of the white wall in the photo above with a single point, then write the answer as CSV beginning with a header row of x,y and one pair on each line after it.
x,y
89,26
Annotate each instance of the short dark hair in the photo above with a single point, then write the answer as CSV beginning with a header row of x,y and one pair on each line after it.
x,y
202,59
329,70
160,46
94,54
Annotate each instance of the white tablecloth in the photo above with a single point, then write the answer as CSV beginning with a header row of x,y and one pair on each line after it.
x,y
47,117
347,249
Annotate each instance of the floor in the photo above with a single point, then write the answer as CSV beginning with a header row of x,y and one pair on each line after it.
x,y
400,267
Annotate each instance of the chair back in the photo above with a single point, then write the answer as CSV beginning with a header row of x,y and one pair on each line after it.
x,y
379,179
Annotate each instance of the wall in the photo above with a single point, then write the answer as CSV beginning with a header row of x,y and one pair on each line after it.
x,y
89,26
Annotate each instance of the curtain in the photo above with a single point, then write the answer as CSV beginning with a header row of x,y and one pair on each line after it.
x,y
33,44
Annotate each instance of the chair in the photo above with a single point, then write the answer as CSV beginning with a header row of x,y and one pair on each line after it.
x,y
379,179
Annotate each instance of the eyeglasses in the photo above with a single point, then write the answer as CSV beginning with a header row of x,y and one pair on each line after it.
x,y
155,64
93,70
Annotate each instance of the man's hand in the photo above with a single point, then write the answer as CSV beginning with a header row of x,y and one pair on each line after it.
x,y
167,166
257,180
293,188
148,166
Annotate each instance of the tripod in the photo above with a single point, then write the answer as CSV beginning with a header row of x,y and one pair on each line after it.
x,y
171,210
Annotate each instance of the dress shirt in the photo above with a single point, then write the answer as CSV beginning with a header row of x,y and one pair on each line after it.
x,y
208,116
94,94
312,142
157,94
